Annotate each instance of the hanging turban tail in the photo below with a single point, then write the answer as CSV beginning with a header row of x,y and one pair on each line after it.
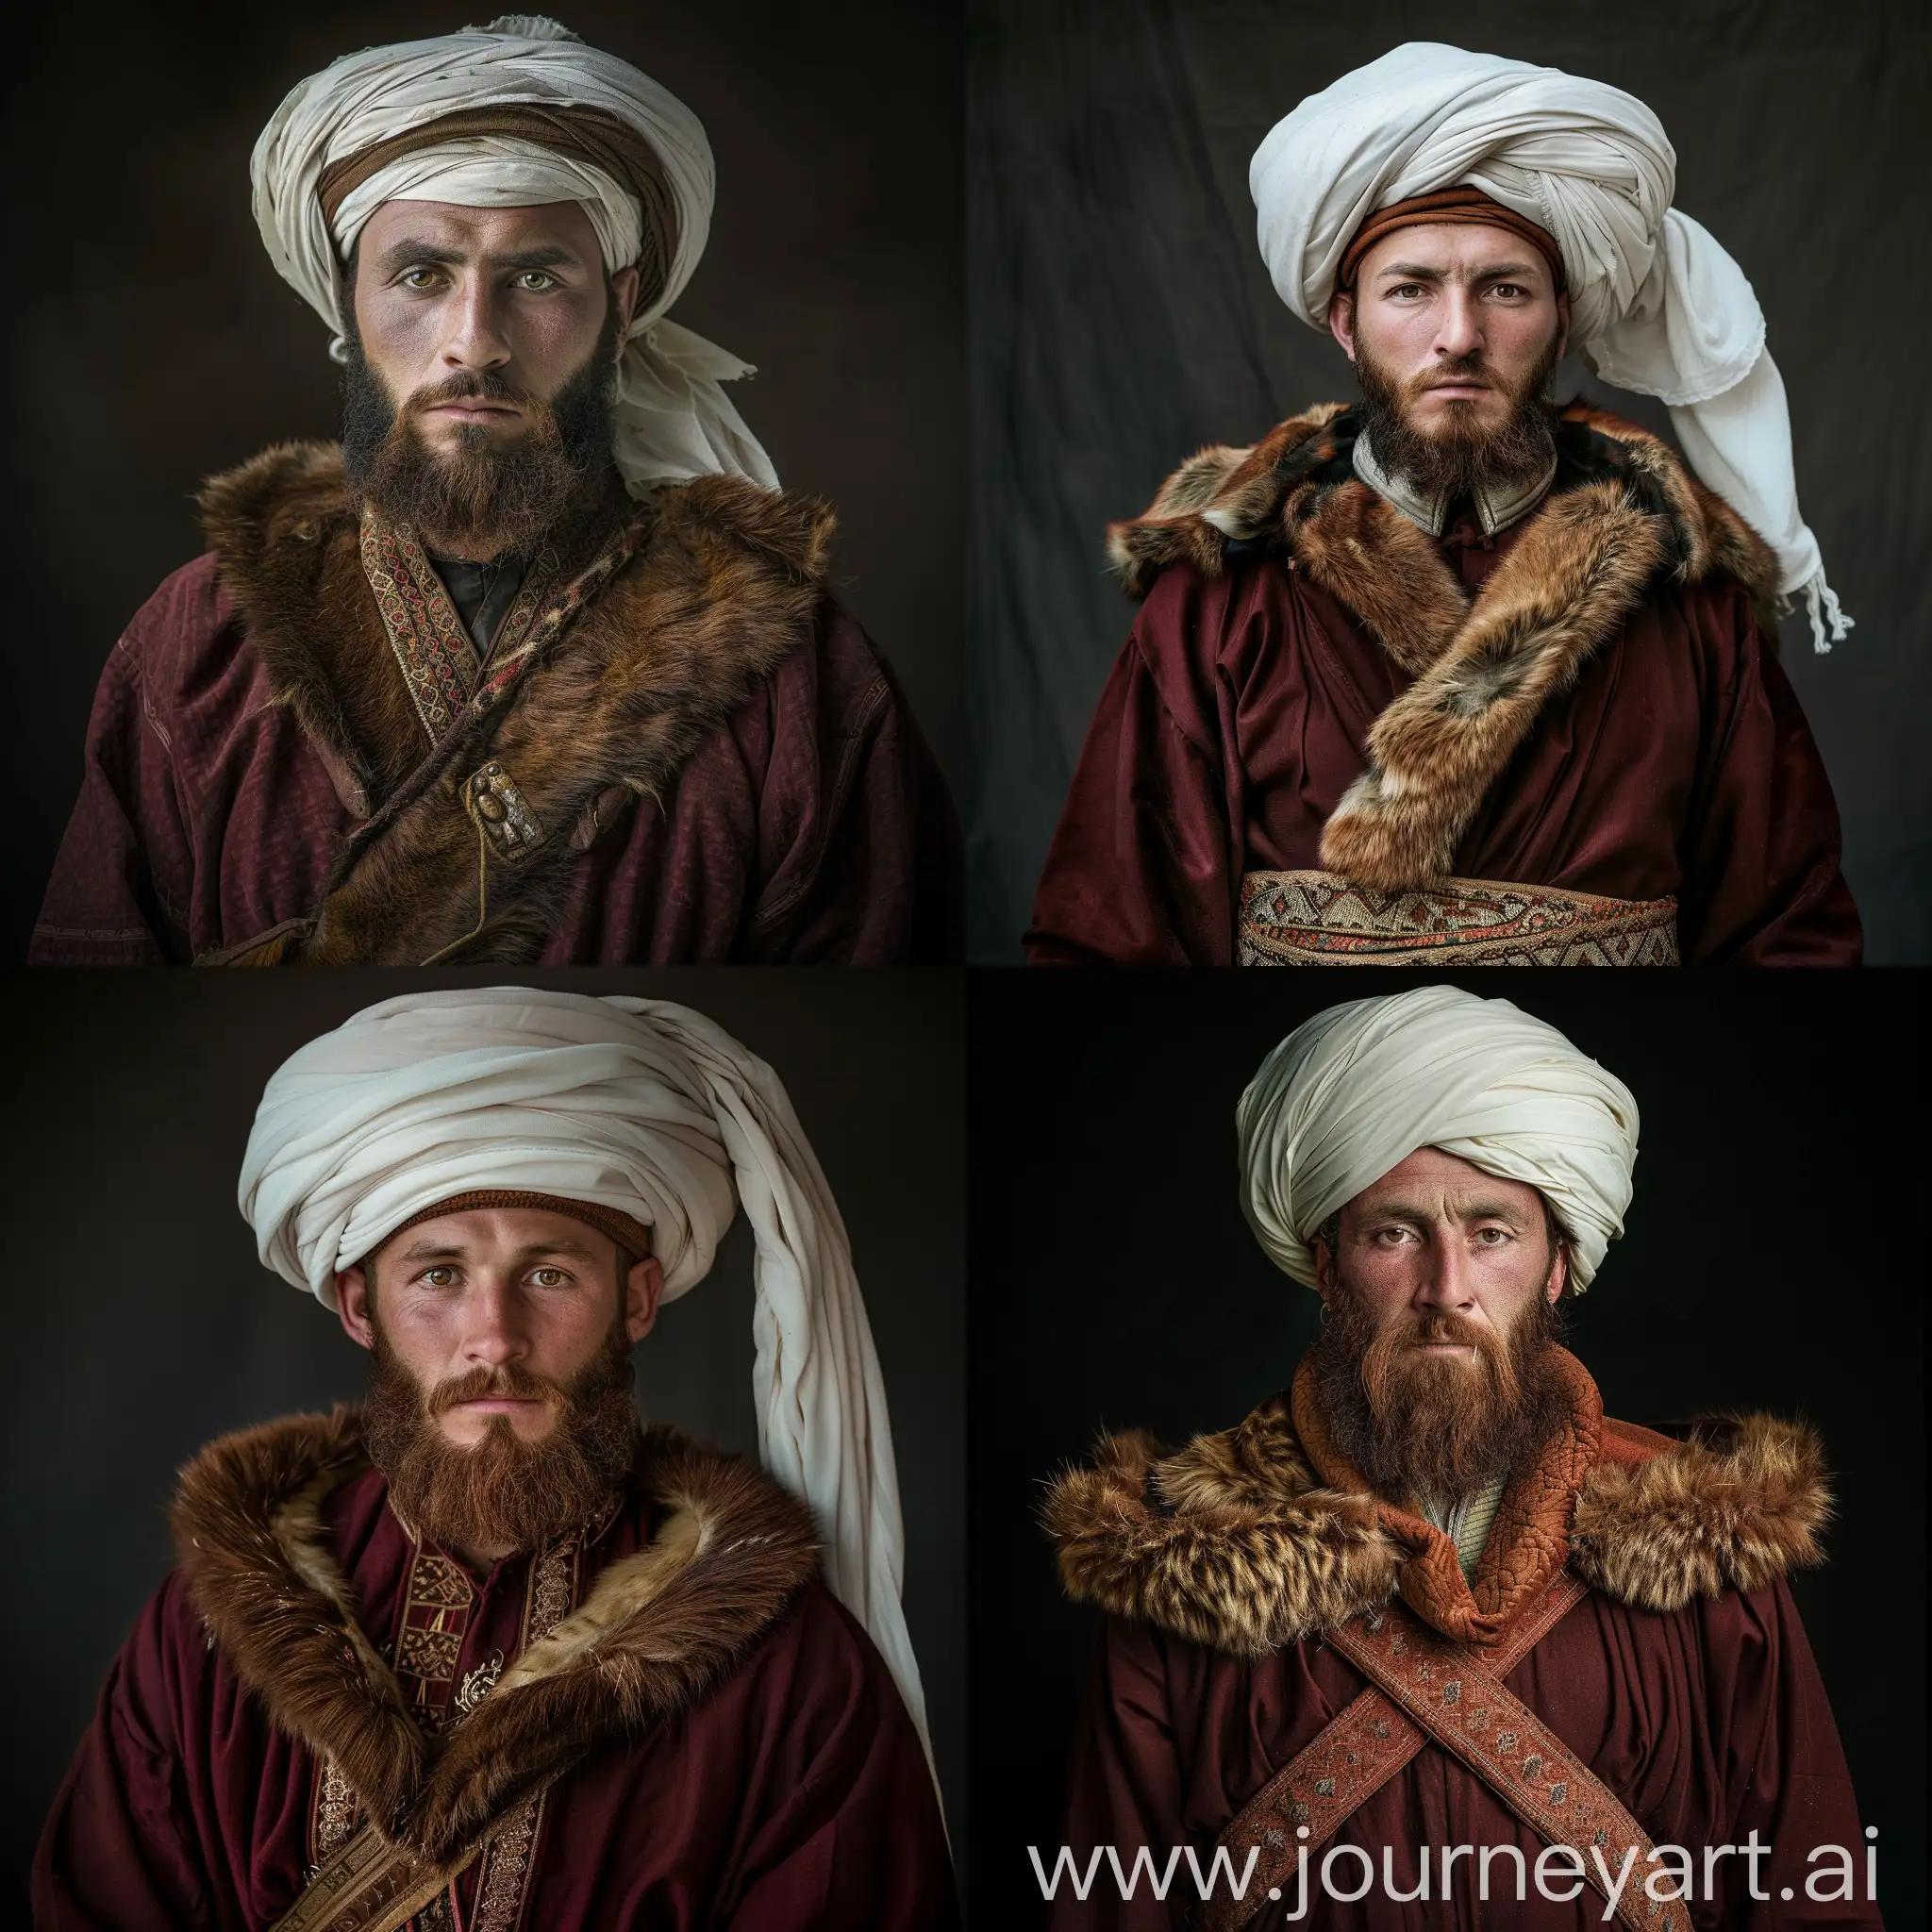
x,y
515,115
1657,304
1360,1088
634,1115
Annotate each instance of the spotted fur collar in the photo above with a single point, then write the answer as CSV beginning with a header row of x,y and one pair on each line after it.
x,y
1262,1534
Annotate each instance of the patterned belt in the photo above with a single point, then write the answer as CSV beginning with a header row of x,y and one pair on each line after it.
x,y
1322,919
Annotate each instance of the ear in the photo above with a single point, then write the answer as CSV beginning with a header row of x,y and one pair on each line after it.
x,y
1324,1269
623,291
352,1306
643,1287
1341,320
1559,1273
1562,325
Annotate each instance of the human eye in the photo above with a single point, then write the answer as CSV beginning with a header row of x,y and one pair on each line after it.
x,y
1403,290
420,279
535,281
1510,291
441,1275
549,1277
1493,1237
1392,1236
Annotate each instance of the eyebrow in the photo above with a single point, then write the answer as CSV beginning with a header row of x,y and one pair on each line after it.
x,y
1416,272
443,1251
1475,1210
413,254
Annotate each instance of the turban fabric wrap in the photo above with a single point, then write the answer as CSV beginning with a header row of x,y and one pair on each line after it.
x,y
513,115
1361,1087
644,1109
1657,304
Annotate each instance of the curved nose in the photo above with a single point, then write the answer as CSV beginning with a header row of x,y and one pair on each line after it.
x,y
474,339
1460,331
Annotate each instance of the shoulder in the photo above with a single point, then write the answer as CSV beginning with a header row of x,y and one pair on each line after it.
x,y
1225,496
1735,1506
731,543
1711,547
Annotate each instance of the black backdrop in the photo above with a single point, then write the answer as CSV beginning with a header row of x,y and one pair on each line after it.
x,y
1776,1258
1120,317
152,344
141,1325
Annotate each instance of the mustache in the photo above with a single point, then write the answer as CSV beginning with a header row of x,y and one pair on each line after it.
x,y
469,386
509,1379
1456,369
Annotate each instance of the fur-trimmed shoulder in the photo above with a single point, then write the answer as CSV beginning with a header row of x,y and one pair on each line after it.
x,y
1266,494
727,582
655,1632
1234,1543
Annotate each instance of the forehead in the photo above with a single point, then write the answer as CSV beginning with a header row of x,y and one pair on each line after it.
x,y
1458,249
1429,1176
482,230
484,1232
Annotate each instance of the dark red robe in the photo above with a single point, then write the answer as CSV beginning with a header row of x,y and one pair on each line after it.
x,y
1706,1723
1235,716
1682,1679
809,825
793,1794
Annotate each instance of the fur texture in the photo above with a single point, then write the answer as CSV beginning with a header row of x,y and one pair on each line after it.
x,y
725,586
1236,1543
654,1633
1622,516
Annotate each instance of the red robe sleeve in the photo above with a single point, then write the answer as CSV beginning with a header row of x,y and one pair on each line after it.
x,y
123,878
117,1853
1145,863
1760,851
859,847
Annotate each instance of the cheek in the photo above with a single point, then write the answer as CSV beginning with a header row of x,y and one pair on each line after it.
x,y
400,337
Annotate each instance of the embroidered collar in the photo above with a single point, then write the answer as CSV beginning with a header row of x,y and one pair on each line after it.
x,y
1496,509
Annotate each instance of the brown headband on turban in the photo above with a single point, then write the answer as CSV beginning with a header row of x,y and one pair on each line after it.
x,y
586,134
1465,204
632,1237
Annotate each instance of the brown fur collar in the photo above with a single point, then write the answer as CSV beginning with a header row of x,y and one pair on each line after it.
x,y
1623,515
655,1632
725,586
1258,1536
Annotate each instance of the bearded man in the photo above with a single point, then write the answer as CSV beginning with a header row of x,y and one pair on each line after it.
x,y
1449,675
540,662
483,1652
1431,1597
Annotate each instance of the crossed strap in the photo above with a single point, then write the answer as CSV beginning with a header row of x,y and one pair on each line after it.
x,y
1424,1689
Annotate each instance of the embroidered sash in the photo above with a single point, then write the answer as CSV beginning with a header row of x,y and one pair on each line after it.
x,y
1321,919
1426,1689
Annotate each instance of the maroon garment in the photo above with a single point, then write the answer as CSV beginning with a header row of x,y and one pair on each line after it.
x,y
814,827
1706,1724
1235,719
795,1794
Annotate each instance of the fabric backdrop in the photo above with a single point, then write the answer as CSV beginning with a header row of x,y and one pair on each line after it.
x,y
154,343
1120,317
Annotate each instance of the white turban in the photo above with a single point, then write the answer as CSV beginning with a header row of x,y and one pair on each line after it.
x,y
674,421
634,1105
1361,1087
1657,304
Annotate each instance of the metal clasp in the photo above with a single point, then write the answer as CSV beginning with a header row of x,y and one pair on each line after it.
x,y
501,812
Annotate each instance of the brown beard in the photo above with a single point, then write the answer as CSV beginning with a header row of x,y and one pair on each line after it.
x,y
502,1490
1433,1427
1463,458
499,498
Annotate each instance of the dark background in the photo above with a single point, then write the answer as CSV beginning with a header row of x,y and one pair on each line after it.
x,y
1121,318
1774,1260
151,343
141,1325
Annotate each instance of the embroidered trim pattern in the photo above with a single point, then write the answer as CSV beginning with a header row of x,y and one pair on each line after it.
x,y
433,650
437,1603
503,1883
1321,919
333,1814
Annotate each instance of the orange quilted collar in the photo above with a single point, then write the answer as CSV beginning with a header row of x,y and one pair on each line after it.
x,y
1528,1541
